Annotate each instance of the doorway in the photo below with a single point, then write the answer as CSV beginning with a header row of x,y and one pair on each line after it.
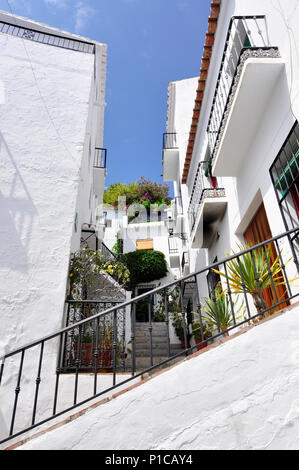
x,y
259,231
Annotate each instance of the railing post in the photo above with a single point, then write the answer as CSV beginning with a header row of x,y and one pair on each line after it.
x,y
17,391
96,355
114,346
167,320
184,318
229,292
243,287
150,329
133,336
37,381
78,363
58,370
263,305
2,368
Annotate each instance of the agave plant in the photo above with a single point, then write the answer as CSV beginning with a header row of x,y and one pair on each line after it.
x,y
252,273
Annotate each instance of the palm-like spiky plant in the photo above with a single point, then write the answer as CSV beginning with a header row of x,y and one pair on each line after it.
x,y
253,272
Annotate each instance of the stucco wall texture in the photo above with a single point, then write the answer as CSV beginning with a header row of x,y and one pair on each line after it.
x,y
240,395
44,111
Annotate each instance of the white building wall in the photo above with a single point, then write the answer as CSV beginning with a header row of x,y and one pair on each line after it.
x,y
47,111
253,184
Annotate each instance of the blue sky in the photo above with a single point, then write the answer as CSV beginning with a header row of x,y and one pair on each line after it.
x,y
150,42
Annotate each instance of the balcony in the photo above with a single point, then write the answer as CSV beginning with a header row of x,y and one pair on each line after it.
x,y
249,71
207,207
170,157
99,171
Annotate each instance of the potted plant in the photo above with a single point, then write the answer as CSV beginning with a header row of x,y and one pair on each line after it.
x,y
217,312
87,351
200,337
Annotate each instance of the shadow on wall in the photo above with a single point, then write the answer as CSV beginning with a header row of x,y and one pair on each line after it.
x,y
17,213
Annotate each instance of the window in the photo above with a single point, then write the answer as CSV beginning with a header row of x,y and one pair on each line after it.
x,y
285,178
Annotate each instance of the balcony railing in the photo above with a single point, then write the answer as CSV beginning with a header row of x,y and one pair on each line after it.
x,y
201,189
108,332
173,245
100,158
247,37
169,140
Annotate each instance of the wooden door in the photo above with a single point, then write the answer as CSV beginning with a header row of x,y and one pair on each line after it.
x,y
257,232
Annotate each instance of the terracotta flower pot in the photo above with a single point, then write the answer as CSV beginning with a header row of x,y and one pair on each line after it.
x,y
87,355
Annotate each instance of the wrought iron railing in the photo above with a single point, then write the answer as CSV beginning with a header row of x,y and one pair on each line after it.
x,y
100,158
173,245
50,39
109,329
90,348
247,37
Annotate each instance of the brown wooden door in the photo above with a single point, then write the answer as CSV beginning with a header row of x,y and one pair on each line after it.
x,y
257,232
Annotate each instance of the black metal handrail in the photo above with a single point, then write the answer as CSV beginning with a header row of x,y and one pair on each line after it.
x,y
245,34
100,159
169,140
105,328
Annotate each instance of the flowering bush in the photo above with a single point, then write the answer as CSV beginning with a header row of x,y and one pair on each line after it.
x,y
144,191
150,192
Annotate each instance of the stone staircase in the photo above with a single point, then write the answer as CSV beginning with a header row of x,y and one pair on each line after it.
x,y
159,345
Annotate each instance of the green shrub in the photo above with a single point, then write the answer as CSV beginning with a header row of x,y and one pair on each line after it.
x,y
145,266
